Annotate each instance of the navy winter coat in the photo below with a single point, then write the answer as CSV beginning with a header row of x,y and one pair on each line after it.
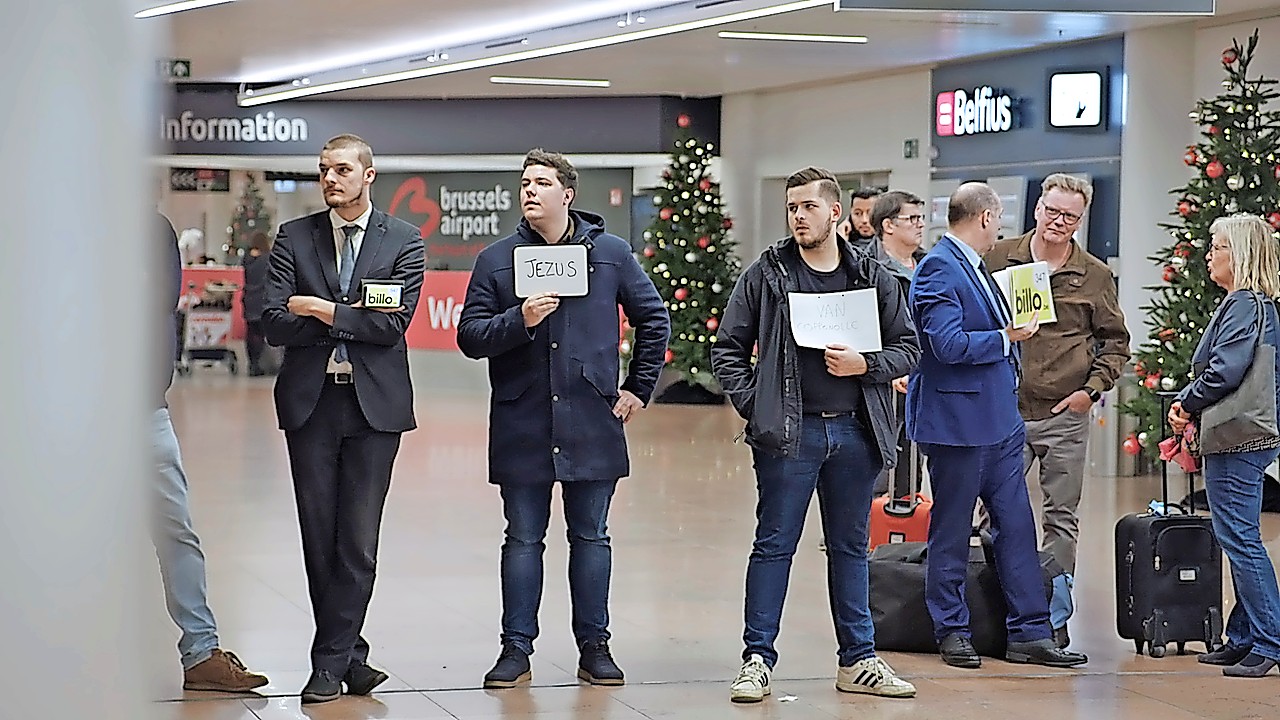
x,y
554,385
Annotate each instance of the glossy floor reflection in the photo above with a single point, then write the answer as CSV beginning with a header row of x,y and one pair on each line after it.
x,y
681,526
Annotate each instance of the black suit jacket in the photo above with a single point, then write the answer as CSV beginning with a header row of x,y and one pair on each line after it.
x,y
303,262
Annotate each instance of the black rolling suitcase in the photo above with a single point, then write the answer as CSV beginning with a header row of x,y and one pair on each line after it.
x,y
1168,576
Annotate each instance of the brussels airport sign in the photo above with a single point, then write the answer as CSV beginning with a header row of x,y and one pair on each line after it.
x,y
1118,7
960,112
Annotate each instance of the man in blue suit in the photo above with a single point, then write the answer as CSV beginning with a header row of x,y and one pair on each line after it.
x,y
962,410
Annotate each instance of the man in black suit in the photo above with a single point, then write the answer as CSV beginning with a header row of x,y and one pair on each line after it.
x,y
343,397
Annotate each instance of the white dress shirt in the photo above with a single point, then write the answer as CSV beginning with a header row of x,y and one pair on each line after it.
x,y
976,261
339,237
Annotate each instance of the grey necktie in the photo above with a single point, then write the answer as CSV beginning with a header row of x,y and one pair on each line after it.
x,y
346,267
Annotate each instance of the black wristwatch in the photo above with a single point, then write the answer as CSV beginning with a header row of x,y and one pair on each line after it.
x,y
1093,394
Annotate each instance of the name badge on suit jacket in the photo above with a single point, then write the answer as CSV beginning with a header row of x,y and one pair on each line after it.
x,y
381,294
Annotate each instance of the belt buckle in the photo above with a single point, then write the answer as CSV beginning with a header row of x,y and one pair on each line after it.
x,y
832,414
342,378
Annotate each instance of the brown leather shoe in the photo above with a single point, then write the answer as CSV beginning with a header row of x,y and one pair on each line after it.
x,y
223,672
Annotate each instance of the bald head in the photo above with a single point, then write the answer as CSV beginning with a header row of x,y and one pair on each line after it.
x,y
973,215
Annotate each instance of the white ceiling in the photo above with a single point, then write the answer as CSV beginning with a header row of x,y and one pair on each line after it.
x,y
278,40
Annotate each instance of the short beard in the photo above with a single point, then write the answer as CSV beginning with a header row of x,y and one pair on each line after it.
x,y
815,241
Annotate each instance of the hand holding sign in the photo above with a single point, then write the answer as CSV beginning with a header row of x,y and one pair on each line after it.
x,y
843,362
538,307
1018,334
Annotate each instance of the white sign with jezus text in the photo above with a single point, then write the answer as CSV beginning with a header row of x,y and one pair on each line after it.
x,y
559,269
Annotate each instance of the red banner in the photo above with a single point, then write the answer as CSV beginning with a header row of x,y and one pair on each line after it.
x,y
435,322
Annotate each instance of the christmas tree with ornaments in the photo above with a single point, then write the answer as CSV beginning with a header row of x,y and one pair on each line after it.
x,y
1236,171
691,258
251,215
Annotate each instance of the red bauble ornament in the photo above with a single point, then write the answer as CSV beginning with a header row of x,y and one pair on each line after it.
x,y
1191,157
727,223
1184,208
683,120
1229,56
1152,382
1278,172
1140,369
1169,273
1182,250
1214,130
649,251
704,241
1214,170
681,293
1167,334
669,356
1131,445
712,323
704,185
1274,219
665,213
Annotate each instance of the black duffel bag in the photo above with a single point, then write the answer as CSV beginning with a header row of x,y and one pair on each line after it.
x,y
898,611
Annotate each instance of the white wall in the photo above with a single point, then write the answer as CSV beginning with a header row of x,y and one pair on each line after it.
x,y
849,127
1159,66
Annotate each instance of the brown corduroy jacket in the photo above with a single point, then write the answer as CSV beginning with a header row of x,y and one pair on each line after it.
x,y
1089,344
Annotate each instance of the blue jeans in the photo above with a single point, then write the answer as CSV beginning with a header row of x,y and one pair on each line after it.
x,y
178,548
839,460
1233,482
527,509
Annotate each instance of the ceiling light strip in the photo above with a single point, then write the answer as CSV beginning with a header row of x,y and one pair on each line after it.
x,y
554,82
793,37
176,7
270,95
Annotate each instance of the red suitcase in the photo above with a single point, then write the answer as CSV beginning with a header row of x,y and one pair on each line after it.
x,y
903,515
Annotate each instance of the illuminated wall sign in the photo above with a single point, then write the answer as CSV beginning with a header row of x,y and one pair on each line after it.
x,y
984,110
1076,99
1118,7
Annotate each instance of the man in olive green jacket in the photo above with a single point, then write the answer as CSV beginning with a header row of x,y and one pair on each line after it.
x,y
1068,364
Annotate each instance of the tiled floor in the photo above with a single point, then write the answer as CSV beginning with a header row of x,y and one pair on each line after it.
x,y
682,528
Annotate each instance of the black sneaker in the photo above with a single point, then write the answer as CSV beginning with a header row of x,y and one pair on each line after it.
x,y
512,669
596,665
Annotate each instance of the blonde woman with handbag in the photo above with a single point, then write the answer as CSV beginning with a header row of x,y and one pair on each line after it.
x,y
1233,402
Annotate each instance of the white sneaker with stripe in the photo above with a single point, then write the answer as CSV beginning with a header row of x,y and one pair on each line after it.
x,y
752,683
873,676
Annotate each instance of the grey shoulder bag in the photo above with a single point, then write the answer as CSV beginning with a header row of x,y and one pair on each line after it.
x,y
1249,412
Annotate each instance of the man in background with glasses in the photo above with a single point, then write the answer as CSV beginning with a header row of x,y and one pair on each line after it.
x,y
898,220
1067,364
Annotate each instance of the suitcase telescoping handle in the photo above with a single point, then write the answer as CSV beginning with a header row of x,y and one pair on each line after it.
x,y
907,472
1166,400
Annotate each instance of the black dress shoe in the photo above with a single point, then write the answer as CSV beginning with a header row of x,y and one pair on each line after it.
x,y
1252,666
512,669
1043,652
1228,654
362,678
957,651
596,665
321,687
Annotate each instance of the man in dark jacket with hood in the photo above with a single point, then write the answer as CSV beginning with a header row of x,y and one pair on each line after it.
x,y
817,419
557,411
